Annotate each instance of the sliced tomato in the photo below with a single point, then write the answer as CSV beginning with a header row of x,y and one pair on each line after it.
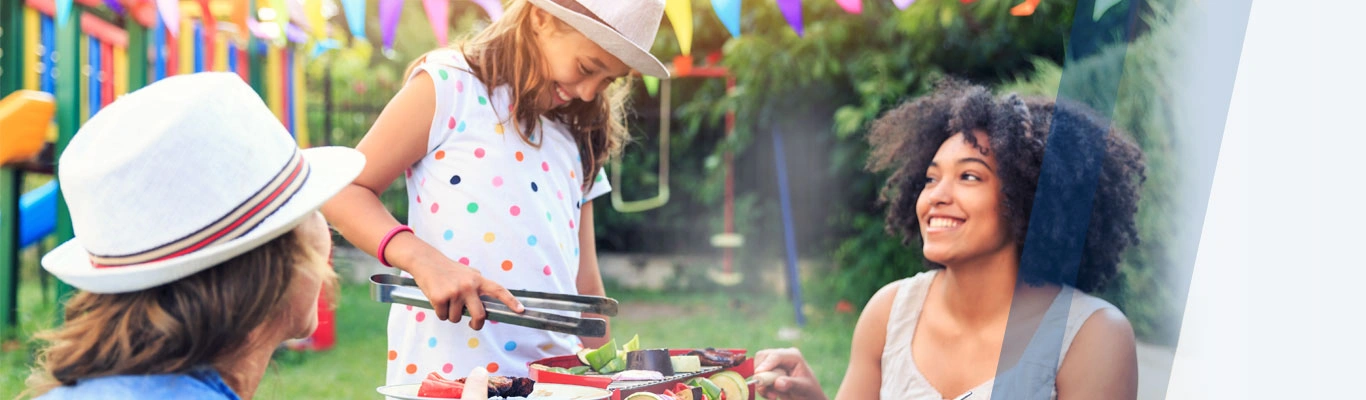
x,y
437,386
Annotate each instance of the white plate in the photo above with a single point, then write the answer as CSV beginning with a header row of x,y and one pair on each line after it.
x,y
546,391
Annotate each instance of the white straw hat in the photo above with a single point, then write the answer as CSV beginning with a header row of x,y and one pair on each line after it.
x,y
626,29
183,175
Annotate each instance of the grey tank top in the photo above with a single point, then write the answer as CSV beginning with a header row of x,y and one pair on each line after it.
x,y
1033,377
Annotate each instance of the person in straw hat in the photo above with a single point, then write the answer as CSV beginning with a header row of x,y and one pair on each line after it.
x,y
501,139
198,249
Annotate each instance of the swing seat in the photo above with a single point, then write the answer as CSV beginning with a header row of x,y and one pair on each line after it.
x,y
725,278
728,240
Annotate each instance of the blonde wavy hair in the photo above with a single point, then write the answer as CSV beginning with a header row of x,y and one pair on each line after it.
x,y
205,319
505,53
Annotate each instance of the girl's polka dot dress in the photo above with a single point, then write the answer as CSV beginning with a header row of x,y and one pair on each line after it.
x,y
485,198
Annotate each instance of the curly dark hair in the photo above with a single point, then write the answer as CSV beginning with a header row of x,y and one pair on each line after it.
x,y
905,140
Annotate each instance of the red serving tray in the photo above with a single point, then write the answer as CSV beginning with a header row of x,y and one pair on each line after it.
x,y
745,369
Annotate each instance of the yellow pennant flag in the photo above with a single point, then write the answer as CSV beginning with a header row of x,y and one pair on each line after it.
x,y
680,16
313,10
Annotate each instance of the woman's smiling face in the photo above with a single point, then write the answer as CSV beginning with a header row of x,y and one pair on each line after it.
x,y
959,209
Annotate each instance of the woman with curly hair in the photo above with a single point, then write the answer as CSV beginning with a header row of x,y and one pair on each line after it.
x,y
965,166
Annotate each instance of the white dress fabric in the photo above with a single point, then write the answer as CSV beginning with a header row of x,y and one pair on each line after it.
x,y
1036,371
486,198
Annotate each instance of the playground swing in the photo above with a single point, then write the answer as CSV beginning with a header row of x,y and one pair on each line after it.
x,y
728,240
662,193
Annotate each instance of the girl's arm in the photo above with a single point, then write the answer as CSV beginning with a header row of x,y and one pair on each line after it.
x,y
589,280
1101,364
397,140
863,379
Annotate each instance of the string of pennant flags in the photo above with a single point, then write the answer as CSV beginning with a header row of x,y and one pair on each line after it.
x,y
299,20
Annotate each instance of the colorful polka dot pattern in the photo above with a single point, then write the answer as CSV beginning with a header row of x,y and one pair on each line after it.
x,y
484,210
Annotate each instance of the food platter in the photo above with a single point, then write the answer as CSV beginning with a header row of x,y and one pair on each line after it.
x,y
545,391
622,389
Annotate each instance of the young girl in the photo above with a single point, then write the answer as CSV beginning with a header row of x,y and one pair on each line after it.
x,y
501,141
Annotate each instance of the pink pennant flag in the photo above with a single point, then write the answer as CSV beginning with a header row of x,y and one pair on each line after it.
x,y
438,14
792,11
389,11
169,10
902,4
851,6
493,7
257,29
297,15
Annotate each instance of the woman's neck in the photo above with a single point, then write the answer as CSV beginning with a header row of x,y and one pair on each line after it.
x,y
980,292
244,372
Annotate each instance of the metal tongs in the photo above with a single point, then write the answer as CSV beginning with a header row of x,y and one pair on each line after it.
x,y
386,288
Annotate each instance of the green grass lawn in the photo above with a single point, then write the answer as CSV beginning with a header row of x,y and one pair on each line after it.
x,y
355,367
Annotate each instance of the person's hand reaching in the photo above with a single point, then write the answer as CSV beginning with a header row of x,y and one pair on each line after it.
x,y
796,381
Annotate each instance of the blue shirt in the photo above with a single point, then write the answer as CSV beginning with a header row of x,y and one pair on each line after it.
x,y
203,383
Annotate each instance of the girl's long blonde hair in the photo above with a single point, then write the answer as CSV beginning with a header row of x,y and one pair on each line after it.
x,y
505,53
205,319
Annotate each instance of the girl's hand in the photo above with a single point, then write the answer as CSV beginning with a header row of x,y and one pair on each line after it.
x,y
797,382
454,288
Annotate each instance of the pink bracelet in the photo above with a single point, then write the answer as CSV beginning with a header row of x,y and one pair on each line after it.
x,y
383,243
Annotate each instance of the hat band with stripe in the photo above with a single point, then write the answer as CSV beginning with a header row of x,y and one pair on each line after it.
x,y
237,222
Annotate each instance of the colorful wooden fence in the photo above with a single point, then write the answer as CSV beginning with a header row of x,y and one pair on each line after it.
x,y
100,54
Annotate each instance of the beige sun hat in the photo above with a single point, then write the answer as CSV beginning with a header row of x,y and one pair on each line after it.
x,y
624,28
180,176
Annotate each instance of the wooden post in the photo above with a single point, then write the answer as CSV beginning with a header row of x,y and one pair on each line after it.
x,y
11,79
11,49
256,66
68,93
137,55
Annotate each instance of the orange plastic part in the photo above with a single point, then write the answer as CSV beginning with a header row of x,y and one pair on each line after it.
x,y
24,119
